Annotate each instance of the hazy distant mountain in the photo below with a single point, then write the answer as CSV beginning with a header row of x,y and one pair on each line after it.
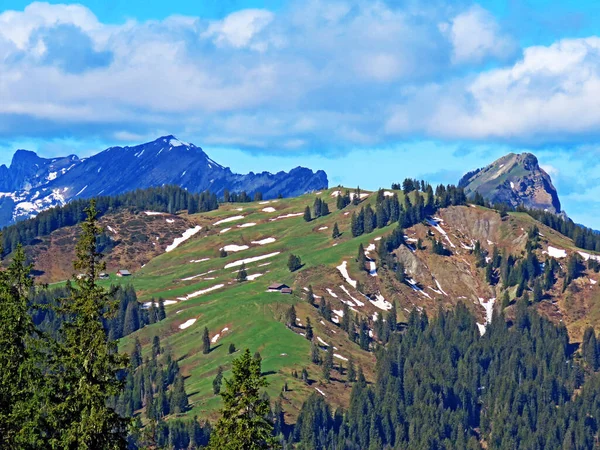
x,y
32,184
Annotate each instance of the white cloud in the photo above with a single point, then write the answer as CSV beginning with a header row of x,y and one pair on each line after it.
x,y
315,74
475,35
240,28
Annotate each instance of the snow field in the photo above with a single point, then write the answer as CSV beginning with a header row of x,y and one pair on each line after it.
x,y
250,260
184,237
201,292
228,219
188,323
343,269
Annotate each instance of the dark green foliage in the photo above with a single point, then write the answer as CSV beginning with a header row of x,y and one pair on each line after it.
x,y
361,259
574,268
307,216
290,317
164,199
155,346
231,349
325,309
310,296
320,208
242,274
438,248
241,197
309,330
223,253
244,421
442,385
83,385
327,366
335,233
218,381
315,354
205,341
294,263
351,370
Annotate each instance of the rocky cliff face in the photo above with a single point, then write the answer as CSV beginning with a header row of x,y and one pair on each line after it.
x,y
32,184
515,180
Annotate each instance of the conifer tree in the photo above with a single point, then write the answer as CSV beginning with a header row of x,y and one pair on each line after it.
x,y
179,400
242,274
155,346
232,348
307,216
328,364
294,263
351,370
315,354
361,259
205,341
291,317
336,231
87,363
218,381
21,382
244,422
161,309
317,207
309,329
310,296
304,375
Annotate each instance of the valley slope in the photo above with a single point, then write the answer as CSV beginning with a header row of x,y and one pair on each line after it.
x,y
203,291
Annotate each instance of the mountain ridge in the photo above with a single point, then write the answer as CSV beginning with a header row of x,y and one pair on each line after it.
x,y
32,184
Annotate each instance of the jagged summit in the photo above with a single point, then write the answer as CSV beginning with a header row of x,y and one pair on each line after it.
x,y
32,183
516,180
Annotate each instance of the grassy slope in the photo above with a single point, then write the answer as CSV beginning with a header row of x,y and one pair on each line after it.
x,y
255,317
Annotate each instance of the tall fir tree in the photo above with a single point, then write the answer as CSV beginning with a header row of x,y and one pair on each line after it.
x,y
244,421
205,341
87,363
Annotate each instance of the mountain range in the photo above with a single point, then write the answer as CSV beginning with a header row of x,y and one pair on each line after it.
x,y
32,184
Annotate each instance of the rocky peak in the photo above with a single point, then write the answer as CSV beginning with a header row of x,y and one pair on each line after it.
x,y
516,180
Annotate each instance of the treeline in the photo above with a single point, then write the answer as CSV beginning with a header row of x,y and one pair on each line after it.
x,y
168,199
243,197
388,209
128,317
440,385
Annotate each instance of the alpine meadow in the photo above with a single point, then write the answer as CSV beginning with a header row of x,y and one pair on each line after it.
x,y
388,239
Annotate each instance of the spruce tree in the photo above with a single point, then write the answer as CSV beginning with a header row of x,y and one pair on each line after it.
x,y
205,341
242,274
22,386
328,364
309,329
315,354
87,363
307,216
351,370
218,381
336,231
244,421
179,400
231,348
291,317
310,296
161,309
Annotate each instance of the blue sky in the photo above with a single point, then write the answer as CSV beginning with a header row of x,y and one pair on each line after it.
x,y
369,91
